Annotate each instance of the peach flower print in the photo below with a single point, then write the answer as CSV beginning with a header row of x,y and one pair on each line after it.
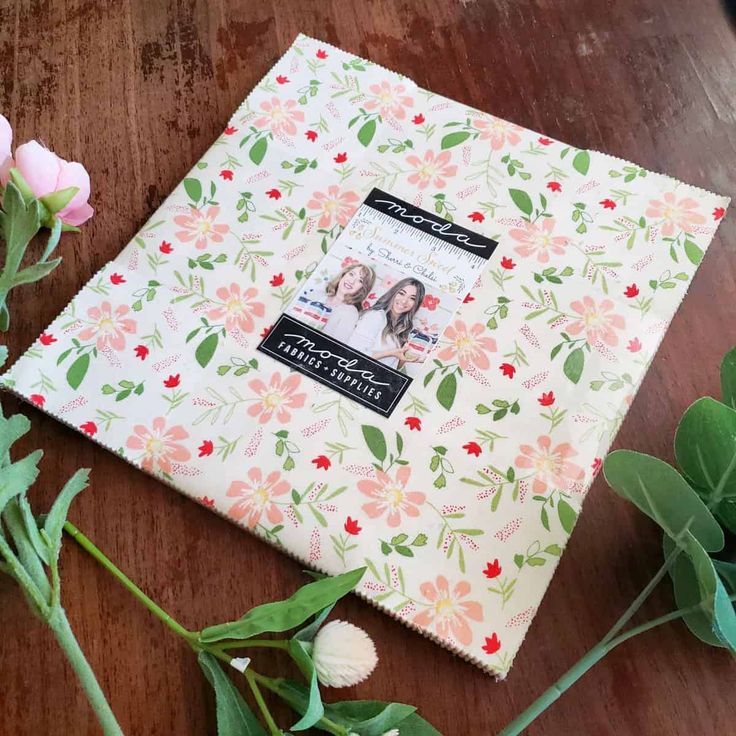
x,y
597,321
551,465
390,495
276,398
279,117
108,327
160,445
255,497
539,241
201,227
333,205
681,213
238,308
467,344
497,131
447,612
389,99
432,169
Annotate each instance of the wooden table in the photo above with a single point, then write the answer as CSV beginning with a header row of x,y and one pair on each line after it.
x,y
137,90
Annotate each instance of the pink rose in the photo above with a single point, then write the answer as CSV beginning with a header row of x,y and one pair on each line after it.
x,y
6,138
46,173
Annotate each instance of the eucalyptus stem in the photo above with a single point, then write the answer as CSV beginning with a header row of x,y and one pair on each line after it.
x,y
250,676
152,606
68,642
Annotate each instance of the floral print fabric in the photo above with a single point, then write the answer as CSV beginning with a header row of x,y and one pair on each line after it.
x,y
460,503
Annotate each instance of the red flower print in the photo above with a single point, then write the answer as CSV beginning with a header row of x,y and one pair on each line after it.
x,y
230,130
430,302
608,204
46,338
476,217
89,428
545,141
492,644
311,135
493,569
547,399
418,119
141,351
352,527
322,462
468,299
116,278
341,158
596,465
718,212
507,369
265,331
631,291
413,423
281,79
165,247
172,381
226,174
273,194
321,54
634,345
37,399
554,186
507,263
473,448
207,501
277,280
206,448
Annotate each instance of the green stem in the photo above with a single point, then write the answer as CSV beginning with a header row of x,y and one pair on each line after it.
x,y
250,676
127,583
246,643
597,653
68,642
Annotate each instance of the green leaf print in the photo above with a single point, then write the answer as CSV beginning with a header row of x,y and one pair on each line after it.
x,y
206,349
522,200
367,131
258,150
574,364
376,442
78,370
193,188
447,390
581,162
454,139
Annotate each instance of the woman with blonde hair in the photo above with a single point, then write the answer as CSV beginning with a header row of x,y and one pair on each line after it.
x,y
345,294
383,330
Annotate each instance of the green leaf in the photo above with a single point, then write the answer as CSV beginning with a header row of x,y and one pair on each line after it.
x,y
705,448
728,378
447,390
56,201
11,429
206,349
193,188
258,150
567,515
78,370
693,252
376,442
574,364
314,709
522,200
658,490
35,272
581,162
287,614
367,131
454,139
234,717
19,222
54,523
17,478
310,630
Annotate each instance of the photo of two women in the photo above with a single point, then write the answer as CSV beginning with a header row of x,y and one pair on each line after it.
x,y
384,327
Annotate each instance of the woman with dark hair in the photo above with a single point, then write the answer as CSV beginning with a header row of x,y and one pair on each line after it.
x,y
383,330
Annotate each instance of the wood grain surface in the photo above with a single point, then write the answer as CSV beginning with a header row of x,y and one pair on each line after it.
x,y
138,90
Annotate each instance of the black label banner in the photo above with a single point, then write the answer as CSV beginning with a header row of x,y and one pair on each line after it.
x,y
334,364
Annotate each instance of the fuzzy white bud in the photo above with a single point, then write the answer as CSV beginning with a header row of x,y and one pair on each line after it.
x,y
343,654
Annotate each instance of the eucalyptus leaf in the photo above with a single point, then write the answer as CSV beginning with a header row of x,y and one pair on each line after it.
x,y
727,573
234,717
54,523
705,448
287,614
314,710
658,490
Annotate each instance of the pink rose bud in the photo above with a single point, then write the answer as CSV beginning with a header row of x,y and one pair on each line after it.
x,y
6,138
46,173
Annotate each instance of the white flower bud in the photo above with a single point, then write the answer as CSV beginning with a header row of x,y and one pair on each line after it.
x,y
343,654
